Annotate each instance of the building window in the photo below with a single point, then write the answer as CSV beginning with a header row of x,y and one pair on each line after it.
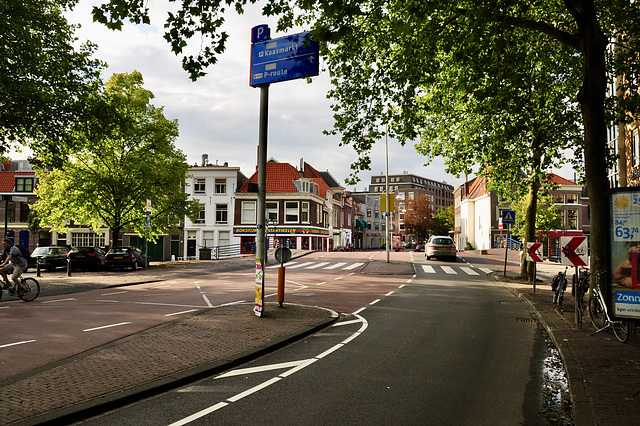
x,y
84,239
207,237
272,212
304,214
199,186
24,184
572,219
223,238
572,198
201,214
558,198
368,213
221,186
24,212
248,212
291,214
221,213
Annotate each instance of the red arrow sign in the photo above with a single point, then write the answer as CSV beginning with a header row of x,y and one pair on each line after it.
x,y
533,252
570,251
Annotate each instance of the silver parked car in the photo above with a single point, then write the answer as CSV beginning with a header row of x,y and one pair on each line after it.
x,y
440,246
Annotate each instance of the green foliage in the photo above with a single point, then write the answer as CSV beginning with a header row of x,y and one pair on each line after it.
x,y
548,215
45,82
125,160
445,218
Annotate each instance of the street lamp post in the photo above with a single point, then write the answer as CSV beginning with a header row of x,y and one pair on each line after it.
x,y
386,216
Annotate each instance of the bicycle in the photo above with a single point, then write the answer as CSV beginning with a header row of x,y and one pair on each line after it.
x,y
31,288
558,286
600,314
582,287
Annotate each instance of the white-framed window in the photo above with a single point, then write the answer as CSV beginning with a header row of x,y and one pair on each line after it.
x,y
201,214
221,186
223,238
304,214
291,212
272,212
248,212
221,213
558,198
572,198
208,238
24,184
572,219
199,186
84,239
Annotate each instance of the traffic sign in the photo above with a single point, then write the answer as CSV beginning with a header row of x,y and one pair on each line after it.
x,y
534,252
574,251
284,58
508,217
500,225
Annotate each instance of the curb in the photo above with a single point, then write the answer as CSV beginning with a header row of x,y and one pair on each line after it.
x,y
87,409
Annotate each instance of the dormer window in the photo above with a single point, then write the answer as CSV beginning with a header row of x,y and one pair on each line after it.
x,y
24,184
304,185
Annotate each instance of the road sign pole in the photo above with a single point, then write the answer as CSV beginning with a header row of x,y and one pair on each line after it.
x,y
262,177
506,251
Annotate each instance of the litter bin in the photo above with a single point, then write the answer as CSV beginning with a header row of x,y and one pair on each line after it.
x,y
205,254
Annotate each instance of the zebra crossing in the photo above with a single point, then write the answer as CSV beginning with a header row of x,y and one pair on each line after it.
x,y
450,270
345,266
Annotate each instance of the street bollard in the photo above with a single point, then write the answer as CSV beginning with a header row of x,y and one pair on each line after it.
x,y
68,268
38,270
280,285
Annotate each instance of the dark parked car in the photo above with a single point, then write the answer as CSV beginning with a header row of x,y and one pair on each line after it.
x,y
50,257
86,258
126,257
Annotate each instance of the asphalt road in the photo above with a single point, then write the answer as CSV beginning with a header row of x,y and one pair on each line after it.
x,y
448,346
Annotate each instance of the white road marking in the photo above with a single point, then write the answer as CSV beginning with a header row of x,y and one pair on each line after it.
x,y
300,265
251,370
107,326
115,292
337,265
323,282
180,313
486,270
469,271
317,265
428,269
59,300
353,266
17,343
449,270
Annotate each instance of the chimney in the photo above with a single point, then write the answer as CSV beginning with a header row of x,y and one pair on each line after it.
x,y
205,159
302,166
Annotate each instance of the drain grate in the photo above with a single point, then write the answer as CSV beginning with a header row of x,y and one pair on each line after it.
x,y
526,320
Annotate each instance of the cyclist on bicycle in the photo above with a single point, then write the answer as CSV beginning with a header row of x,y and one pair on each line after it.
x,y
13,264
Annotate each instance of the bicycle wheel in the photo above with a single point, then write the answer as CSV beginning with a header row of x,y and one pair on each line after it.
x,y
622,330
31,289
596,312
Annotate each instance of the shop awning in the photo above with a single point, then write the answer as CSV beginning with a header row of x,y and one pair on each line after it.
x,y
362,224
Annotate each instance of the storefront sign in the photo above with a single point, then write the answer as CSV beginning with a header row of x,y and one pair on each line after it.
x,y
282,231
624,239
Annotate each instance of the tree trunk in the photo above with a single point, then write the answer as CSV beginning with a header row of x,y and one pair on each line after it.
x,y
592,99
115,236
526,268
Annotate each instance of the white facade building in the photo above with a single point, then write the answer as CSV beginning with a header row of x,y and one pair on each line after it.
x,y
213,186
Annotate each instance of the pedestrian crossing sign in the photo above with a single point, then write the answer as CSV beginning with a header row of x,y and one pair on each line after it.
x,y
508,217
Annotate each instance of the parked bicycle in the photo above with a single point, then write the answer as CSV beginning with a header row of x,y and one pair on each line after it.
x,y
558,286
582,287
31,288
600,314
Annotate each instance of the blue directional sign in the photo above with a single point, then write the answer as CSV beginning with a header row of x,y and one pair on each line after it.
x,y
508,217
285,58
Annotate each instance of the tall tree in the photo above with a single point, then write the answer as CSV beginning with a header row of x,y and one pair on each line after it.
x,y
445,218
413,30
419,218
125,161
45,81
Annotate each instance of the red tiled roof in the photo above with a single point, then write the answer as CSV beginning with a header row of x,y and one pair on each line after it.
x,y
560,180
478,188
280,177
8,179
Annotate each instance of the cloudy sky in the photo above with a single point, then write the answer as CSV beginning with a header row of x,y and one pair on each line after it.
x,y
218,115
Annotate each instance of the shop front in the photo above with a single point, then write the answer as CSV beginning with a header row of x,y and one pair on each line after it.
x,y
293,237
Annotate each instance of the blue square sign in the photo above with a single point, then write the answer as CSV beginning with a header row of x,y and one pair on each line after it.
x,y
508,217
